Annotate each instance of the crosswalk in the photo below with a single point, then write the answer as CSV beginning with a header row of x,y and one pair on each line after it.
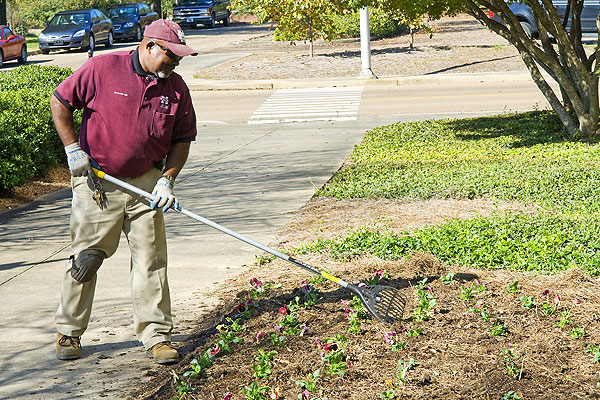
x,y
305,105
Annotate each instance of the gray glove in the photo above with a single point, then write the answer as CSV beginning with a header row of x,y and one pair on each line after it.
x,y
163,194
79,161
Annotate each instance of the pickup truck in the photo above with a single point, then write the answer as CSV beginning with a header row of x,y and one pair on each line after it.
x,y
525,16
191,13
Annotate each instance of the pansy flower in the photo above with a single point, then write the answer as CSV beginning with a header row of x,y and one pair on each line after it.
x,y
329,347
304,328
241,308
215,350
275,393
390,337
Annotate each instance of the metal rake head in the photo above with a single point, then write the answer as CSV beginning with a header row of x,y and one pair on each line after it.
x,y
385,303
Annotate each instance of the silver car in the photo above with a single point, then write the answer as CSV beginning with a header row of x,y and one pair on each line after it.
x,y
76,29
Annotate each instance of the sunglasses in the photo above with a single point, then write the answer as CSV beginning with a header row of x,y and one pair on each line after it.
x,y
169,53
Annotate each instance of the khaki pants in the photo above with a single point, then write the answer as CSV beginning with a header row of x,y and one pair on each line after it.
x,y
92,228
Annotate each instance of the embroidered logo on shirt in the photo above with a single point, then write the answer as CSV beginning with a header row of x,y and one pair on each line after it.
x,y
164,102
121,94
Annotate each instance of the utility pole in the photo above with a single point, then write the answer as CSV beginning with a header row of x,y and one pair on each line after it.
x,y
365,45
2,12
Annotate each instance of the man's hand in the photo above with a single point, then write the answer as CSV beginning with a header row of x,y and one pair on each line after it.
x,y
163,194
79,161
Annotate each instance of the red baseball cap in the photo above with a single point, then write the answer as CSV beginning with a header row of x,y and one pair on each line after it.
x,y
171,35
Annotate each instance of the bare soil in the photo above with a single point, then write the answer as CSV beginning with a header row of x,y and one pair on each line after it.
x,y
456,356
54,179
458,45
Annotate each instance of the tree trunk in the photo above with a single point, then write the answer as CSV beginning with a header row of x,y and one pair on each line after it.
x,y
2,12
156,7
565,61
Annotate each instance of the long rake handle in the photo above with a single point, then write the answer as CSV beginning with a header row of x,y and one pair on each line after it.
x,y
206,221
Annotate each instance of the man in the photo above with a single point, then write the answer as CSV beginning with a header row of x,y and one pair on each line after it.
x,y
137,124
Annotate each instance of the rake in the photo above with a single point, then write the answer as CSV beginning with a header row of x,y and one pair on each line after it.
x,y
385,303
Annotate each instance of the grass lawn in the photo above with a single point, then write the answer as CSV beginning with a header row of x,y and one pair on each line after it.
x,y
32,42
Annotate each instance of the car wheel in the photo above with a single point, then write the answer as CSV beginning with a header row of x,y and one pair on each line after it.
x,y
45,51
23,58
227,21
213,22
111,39
92,42
527,28
138,33
1,58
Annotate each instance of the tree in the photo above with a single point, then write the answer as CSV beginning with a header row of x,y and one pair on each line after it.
x,y
297,19
416,13
559,52
2,12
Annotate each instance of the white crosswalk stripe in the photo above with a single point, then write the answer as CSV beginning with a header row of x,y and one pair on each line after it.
x,y
304,105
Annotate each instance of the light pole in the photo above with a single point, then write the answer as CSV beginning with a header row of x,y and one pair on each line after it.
x,y
365,45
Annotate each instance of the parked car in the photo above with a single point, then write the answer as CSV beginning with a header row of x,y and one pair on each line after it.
x,y
525,16
12,47
130,20
190,13
77,29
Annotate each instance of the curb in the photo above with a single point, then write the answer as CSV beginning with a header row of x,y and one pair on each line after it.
x,y
466,78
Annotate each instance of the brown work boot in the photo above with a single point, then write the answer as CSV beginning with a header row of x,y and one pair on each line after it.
x,y
163,353
67,347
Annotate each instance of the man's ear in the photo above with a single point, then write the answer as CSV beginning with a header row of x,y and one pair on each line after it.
x,y
147,45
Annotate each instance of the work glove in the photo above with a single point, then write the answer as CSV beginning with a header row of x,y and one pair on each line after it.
x,y
79,161
163,194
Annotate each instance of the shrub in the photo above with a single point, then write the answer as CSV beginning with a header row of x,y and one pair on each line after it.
x,y
381,24
29,143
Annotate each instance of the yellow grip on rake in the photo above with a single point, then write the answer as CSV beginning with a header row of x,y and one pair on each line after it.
x,y
99,174
330,277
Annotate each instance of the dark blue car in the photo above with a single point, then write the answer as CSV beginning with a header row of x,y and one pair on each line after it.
x,y
130,20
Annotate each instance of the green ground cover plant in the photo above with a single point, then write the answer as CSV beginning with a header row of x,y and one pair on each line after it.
x,y
514,157
29,143
524,158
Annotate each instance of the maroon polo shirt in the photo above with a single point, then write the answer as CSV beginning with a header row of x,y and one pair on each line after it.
x,y
130,118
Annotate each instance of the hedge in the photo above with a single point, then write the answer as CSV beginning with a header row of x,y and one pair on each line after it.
x,y
29,143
